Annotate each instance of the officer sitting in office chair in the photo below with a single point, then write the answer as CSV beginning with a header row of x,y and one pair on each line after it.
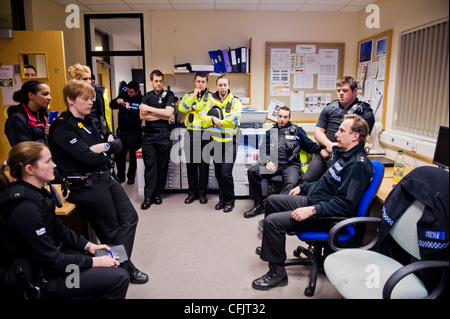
x,y
281,156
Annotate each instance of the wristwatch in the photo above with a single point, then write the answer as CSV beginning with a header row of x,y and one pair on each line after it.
x,y
107,146
314,211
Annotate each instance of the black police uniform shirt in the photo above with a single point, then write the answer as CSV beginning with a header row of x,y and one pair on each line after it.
x,y
128,119
340,189
332,116
70,142
161,100
42,235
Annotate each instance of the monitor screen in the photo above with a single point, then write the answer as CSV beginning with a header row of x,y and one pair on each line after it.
x,y
440,157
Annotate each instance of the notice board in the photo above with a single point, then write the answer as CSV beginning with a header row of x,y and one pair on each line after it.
x,y
372,74
301,76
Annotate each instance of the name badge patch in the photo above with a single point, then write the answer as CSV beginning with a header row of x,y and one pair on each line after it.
x,y
291,137
437,235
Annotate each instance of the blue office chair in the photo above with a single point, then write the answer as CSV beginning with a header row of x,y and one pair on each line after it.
x,y
360,273
352,234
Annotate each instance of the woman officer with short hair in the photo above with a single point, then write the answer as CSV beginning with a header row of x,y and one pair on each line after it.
x,y
80,150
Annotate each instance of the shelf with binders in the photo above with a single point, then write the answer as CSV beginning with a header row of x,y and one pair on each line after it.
x,y
181,82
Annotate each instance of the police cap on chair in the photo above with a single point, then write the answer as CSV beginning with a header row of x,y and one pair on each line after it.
x,y
216,111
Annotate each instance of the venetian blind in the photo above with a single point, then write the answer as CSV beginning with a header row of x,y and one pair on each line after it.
x,y
421,100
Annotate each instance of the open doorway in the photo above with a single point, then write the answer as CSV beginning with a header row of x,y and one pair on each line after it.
x,y
115,51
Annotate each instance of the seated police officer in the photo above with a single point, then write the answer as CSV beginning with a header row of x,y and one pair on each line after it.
x,y
337,193
37,249
279,155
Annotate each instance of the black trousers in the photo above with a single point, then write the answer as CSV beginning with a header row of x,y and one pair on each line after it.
x,y
278,223
156,155
131,141
108,210
197,163
292,175
98,282
224,155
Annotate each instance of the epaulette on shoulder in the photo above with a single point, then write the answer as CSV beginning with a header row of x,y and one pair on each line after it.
x,y
361,158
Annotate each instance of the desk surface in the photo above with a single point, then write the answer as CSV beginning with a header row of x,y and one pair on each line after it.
x,y
387,183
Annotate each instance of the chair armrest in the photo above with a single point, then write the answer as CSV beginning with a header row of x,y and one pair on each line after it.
x,y
414,267
353,220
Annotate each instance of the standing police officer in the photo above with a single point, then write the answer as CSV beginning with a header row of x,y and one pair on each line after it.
x,y
329,120
80,147
129,130
281,156
197,166
223,125
156,109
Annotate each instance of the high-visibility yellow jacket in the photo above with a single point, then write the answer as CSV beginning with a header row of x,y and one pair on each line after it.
x,y
198,103
231,109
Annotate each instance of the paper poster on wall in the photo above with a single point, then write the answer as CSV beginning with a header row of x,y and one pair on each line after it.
x,y
312,63
279,82
372,70
280,58
8,92
273,108
297,100
303,81
315,102
381,68
381,47
328,56
297,63
305,48
365,51
326,82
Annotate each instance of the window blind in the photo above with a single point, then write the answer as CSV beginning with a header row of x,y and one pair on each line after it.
x,y
422,94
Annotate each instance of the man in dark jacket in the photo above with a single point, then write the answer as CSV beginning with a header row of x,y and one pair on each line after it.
x,y
129,130
280,155
337,193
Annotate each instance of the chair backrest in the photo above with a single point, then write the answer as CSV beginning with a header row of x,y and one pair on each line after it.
x,y
363,209
404,230
369,195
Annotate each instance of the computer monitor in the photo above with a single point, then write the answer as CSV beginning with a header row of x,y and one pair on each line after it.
x,y
441,151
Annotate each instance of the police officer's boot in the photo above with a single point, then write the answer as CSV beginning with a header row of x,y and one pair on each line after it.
x,y
257,209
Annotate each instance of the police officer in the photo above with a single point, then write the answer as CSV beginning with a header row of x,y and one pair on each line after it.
x,y
80,146
281,156
329,120
223,127
157,108
337,193
129,129
196,165
36,247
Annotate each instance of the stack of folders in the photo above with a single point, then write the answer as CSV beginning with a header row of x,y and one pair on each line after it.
x,y
231,60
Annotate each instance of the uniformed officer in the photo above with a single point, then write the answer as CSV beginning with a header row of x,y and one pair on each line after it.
x,y
36,247
157,108
223,128
329,120
280,155
197,166
80,147
129,129
337,193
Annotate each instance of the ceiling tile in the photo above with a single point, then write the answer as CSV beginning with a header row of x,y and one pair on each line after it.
x,y
237,1
190,1
362,2
151,7
196,7
109,8
329,2
283,1
322,8
147,2
278,7
352,8
236,7
97,2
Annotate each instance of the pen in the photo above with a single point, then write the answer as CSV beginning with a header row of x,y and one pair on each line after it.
x,y
112,255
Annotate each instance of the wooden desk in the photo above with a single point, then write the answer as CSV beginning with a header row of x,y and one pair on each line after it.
x,y
387,182
67,207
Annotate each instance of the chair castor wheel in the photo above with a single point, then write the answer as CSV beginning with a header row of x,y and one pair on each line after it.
x,y
309,292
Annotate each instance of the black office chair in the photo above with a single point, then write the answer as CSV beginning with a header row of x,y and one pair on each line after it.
x,y
366,274
352,234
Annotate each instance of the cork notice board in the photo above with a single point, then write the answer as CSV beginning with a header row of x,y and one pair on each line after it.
x,y
302,76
